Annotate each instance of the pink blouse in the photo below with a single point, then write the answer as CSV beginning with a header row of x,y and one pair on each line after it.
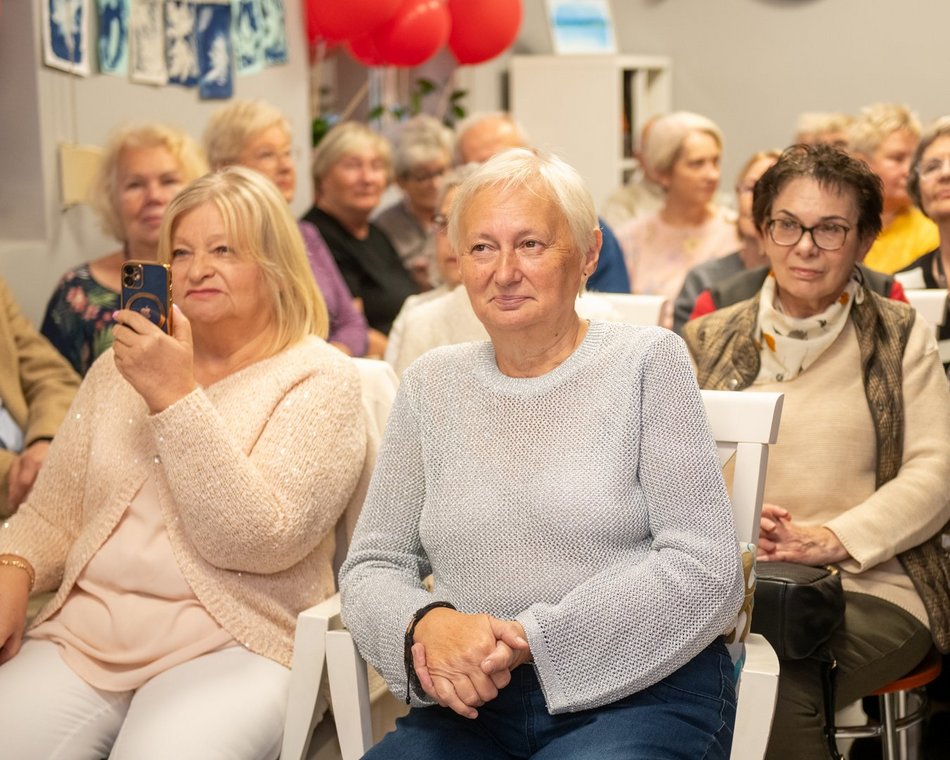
x,y
659,255
131,614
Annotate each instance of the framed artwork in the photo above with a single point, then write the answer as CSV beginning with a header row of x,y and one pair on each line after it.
x,y
581,26
65,44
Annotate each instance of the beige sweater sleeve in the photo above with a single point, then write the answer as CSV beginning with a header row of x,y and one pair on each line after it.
x,y
264,510
914,505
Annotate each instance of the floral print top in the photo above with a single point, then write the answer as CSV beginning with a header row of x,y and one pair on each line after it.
x,y
78,319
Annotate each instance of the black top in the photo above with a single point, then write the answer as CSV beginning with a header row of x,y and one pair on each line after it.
x,y
371,268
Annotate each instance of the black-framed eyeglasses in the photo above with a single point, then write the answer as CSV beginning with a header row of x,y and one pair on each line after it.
x,y
829,236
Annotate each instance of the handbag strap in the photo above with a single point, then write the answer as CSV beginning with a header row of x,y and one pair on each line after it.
x,y
828,667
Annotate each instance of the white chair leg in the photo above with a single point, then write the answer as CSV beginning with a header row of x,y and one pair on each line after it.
x,y
349,695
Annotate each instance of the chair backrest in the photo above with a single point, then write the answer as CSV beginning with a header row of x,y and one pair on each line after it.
x,y
630,308
743,425
379,386
930,303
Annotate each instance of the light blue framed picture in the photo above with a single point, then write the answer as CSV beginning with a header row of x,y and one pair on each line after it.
x,y
581,26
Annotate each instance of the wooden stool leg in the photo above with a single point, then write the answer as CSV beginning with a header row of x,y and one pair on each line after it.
x,y
889,739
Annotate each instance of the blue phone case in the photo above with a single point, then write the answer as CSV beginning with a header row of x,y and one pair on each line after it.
x,y
147,289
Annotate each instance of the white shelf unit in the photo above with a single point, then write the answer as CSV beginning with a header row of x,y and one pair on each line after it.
x,y
588,109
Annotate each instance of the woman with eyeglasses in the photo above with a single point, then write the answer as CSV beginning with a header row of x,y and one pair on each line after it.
x,y
255,134
860,471
929,187
421,155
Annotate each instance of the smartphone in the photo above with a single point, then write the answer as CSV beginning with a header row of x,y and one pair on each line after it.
x,y
147,289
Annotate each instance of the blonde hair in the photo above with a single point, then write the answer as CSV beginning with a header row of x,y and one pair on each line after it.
x,y
773,154
348,137
258,221
813,125
876,122
103,192
667,135
231,127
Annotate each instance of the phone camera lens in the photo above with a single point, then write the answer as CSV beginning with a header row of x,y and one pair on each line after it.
x,y
129,281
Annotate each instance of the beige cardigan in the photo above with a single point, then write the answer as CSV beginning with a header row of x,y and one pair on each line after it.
x,y
252,474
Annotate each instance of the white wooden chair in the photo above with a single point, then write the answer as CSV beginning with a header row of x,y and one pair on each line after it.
x,y
304,703
743,424
631,308
930,303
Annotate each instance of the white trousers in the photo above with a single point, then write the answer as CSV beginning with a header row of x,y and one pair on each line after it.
x,y
228,704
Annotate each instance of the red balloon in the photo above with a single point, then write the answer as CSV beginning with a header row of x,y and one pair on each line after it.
x,y
415,32
482,29
342,19
363,49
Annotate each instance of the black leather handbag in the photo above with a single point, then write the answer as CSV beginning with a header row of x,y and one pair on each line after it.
x,y
797,607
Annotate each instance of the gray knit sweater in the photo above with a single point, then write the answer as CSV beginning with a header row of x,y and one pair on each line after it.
x,y
588,504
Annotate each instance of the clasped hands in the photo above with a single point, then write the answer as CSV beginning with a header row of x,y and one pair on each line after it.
x,y
463,660
781,539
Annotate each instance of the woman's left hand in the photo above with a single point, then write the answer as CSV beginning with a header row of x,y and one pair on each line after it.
x,y
159,366
782,540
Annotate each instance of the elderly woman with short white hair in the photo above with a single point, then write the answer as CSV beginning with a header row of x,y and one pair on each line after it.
x,y
422,153
255,134
560,484
659,248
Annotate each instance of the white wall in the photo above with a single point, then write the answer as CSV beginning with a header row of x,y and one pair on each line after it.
x,y
754,65
751,65
41,107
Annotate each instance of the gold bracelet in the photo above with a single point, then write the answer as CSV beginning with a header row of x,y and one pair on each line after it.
x,y
14,561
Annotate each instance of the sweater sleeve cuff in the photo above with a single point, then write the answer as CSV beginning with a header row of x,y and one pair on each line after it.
x,y
555,697
861,544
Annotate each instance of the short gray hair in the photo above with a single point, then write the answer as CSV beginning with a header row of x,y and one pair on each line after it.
x,y
544,174
348,137
667,135
421,139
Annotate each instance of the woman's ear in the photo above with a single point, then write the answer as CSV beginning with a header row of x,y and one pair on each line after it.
x,y
593,254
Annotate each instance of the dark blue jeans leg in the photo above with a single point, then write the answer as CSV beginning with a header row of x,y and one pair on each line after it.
x,y
689,715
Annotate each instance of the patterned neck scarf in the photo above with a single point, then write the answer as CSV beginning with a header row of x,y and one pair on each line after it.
x,y
788,345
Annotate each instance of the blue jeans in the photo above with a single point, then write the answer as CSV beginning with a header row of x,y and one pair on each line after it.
x,y
690,715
